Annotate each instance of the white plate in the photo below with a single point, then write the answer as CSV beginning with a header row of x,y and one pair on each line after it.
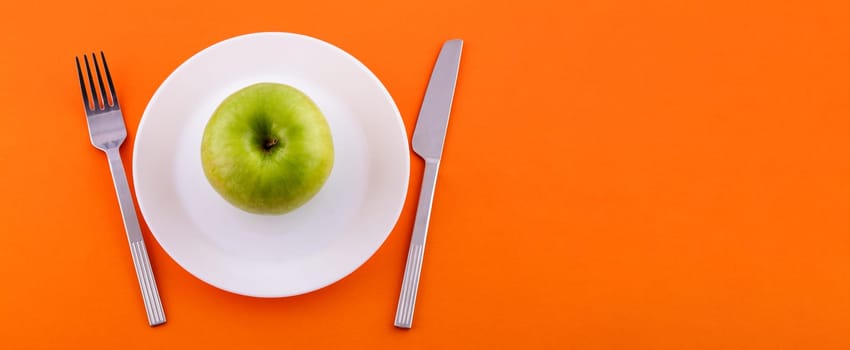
x,y
272,256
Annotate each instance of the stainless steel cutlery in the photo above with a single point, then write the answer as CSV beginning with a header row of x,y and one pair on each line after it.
x,y
107,132
428,139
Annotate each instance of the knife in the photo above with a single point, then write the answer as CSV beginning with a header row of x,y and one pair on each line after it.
x,y
428,139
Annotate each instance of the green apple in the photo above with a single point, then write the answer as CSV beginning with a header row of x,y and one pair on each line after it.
x,y
267,149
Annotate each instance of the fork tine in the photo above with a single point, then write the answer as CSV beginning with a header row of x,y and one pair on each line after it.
x,y
109,80
86,101
93,90
100,82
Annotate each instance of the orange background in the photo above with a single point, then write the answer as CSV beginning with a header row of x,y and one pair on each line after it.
x,y
651,174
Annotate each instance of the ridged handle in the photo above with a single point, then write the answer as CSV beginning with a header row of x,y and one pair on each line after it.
x,y
409,286
147,283
413,268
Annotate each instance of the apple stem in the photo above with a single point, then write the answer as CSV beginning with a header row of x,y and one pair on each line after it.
x,y
270,143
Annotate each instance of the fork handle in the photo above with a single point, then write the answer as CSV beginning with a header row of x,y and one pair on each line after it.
x,y
144,273
413,268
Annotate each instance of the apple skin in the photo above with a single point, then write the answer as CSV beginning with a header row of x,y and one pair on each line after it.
x,y
267,149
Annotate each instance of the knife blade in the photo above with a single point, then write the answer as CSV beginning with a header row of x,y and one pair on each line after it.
x,y
430,132
428,140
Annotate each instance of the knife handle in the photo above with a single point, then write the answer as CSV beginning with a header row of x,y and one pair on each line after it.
x,y
413,268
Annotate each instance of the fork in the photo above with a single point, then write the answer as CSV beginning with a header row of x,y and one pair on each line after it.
x,y
107,132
